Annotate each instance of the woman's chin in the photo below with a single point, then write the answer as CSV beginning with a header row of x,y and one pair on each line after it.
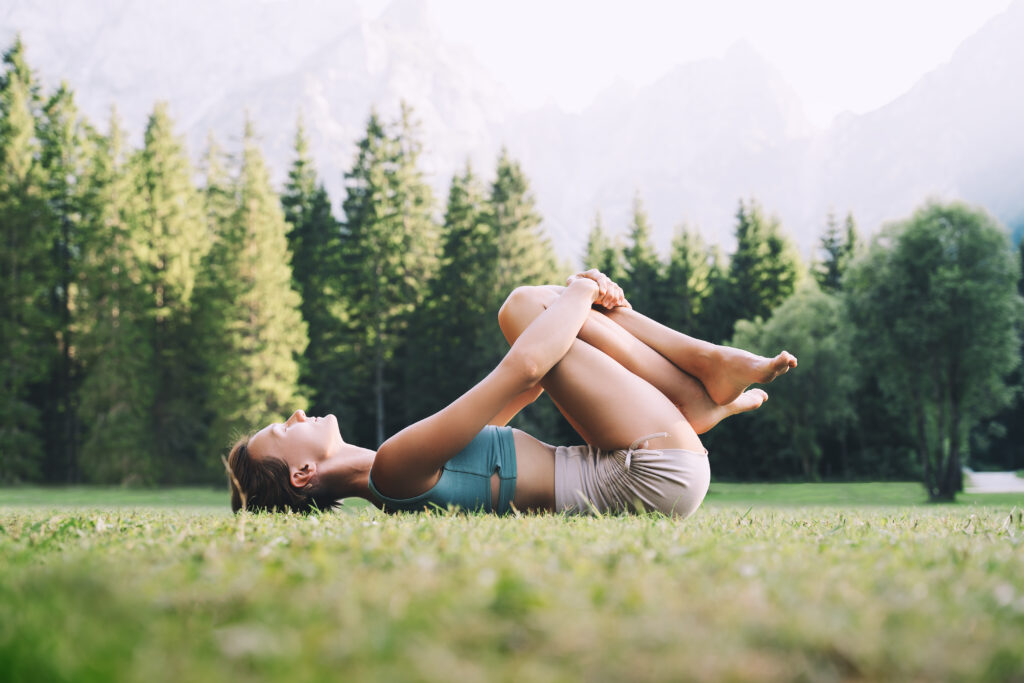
x,y
337,428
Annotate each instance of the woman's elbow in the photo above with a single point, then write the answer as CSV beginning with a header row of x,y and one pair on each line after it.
x,y
526,369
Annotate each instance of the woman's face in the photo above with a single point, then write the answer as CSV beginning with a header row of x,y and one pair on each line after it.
x,y
299,440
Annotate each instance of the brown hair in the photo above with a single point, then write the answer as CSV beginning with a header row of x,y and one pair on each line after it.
x,y
264,484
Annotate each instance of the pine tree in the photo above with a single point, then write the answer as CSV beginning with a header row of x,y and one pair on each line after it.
x,y
827,272
120,379
716,320
490,246
64,154
524,257
524,252
170,245
687,283
389,252
314,239
839,247
297,198
173,243
219,192
416,202
251,354
450,330
26,270
215,304
603,253
643,268
853,245
765,268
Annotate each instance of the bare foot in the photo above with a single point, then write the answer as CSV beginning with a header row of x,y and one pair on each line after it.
x,y
747,401
737,369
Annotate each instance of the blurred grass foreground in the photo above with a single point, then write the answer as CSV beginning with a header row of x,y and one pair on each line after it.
x,y
816,582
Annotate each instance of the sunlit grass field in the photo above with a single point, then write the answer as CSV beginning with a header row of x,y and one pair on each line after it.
x,y
814,582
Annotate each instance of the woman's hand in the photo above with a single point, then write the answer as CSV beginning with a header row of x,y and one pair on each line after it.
x,y
609,294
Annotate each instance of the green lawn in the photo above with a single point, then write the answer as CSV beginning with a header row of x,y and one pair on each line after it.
x,y
114,497
721,493
814,582
872,493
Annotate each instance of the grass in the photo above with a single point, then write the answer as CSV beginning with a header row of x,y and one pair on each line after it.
x,y
843,494
114,497
815,582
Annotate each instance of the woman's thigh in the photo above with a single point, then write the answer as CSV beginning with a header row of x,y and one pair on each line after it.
x,y
610,406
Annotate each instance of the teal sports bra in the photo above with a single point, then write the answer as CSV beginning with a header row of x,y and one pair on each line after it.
x,y
466,479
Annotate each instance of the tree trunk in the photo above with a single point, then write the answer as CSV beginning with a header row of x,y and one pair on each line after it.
x,y
922,451
942,459
952,481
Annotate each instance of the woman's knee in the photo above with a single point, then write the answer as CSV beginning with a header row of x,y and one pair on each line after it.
x,y
521,307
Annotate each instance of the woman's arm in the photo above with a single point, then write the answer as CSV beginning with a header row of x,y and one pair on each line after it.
x,y
408,463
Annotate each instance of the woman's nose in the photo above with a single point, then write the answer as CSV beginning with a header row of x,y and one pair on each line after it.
x,y
297,416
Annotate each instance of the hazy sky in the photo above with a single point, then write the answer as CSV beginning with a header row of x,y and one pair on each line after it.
x,y
838,55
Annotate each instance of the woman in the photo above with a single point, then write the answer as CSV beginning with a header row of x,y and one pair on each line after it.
x,y
636,391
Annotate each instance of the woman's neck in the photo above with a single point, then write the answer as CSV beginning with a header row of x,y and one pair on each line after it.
x,y
347,474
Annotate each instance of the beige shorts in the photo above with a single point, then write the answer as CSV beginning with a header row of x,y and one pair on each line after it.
x,y
671,480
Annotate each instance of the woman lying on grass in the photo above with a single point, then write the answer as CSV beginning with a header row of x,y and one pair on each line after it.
x,y
636,391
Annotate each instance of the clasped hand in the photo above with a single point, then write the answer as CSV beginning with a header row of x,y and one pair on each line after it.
x,y
609,294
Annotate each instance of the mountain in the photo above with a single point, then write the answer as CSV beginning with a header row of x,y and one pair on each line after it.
x,y
397,56
956,134
187,52
691,144
711,132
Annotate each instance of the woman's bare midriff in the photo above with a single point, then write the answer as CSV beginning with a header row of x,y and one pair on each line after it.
x,y
535,474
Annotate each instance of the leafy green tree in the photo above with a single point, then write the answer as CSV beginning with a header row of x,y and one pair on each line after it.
x,y
27,274
999,441
937,313
839,247
812,403
314,239
765,269
389,255
643,267
64,139
687,283
252,355
116,328
603,253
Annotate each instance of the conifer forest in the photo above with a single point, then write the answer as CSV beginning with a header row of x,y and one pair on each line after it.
x,y
155,305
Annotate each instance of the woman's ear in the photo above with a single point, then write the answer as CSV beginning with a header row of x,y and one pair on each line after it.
x,y
300,477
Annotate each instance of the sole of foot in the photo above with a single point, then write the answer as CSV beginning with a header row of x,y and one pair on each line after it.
x,y
742,368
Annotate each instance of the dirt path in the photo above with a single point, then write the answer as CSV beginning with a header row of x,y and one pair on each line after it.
x,y
993,482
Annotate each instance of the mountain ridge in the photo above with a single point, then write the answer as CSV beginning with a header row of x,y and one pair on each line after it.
x,y
691,144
